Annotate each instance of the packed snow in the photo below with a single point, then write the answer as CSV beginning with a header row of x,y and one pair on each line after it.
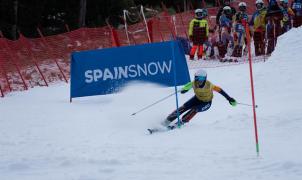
x,y
45,137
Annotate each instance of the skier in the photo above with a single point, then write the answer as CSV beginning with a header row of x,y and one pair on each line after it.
x,y
198,32
241,18
225,23
200,102
297,8
259,27
287,16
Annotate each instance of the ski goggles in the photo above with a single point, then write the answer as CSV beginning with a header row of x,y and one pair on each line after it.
x,y
242,8
200,78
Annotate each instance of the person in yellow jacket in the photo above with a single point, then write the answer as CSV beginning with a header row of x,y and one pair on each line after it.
x,y
198,33
259,27
200,102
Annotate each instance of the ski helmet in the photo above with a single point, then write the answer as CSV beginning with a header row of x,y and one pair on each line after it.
x,y
259,4
199,13
227,10
205,12
200,77
242,6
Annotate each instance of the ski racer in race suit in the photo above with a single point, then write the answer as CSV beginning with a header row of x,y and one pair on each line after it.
x,y
297,8
198,32
200,102
288,15
240,21
259,27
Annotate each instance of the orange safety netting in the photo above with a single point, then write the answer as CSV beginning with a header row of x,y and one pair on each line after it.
x,y
28,62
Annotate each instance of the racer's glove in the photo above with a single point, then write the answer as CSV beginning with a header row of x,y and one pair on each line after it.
x,y
183,91
232,101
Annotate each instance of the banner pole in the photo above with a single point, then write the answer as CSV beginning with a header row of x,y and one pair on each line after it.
x,y
175,82
252,86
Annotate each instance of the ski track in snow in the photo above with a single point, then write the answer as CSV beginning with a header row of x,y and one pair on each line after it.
x,y
43,136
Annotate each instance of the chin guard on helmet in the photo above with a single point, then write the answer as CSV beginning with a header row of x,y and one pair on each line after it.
x,y
227,10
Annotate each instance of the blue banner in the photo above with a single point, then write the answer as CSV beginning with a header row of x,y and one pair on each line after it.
x,y
106,71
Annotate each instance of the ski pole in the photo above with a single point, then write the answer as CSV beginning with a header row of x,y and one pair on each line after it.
x,y
246,104
158,101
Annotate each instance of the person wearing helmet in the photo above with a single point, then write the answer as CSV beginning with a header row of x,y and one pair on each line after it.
x,y
273,26
225,24
220,11
241,15
198,33
200,102
273,8
297,8
240,21
288,15
259,27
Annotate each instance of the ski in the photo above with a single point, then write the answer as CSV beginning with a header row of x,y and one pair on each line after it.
x,y
162,129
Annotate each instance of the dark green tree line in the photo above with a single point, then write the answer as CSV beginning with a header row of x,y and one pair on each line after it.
x,y
25,16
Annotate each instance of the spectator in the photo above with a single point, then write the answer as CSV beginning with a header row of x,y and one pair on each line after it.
x,y
220,11
259,27
240,20
297,8
225,24
288,15
198,33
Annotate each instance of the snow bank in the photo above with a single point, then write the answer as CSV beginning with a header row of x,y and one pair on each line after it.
x,y
43,136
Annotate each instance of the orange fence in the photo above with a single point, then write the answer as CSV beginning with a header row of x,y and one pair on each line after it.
x,y
26,63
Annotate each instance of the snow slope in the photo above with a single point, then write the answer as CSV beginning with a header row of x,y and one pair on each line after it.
x,y
44,137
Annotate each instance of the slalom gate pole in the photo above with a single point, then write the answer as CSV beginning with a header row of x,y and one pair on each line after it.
x,y
252,85
175,82
158,101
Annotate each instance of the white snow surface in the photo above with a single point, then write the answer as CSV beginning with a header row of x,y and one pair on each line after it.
x,y
44,137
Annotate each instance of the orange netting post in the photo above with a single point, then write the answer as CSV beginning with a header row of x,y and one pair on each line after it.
x,y
159,29
150,29
27,46
12,57
115,39
2,61
5,75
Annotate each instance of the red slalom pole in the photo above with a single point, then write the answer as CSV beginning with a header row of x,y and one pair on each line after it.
x,y
252,85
